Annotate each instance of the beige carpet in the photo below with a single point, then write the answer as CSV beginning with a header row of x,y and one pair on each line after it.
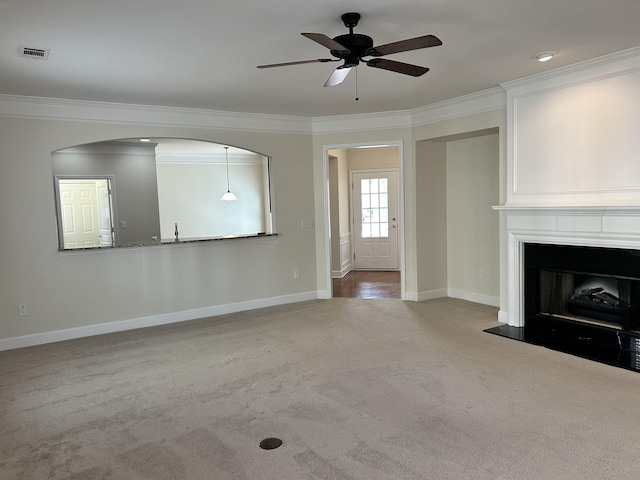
x,y
356,389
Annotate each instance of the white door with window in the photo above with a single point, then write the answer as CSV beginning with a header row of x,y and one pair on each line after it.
x,y
375,219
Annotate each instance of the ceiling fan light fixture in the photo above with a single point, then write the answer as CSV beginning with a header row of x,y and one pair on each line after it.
x,y
352,48
338,76
545,56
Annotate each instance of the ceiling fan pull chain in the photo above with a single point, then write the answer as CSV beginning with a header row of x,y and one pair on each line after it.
x,y
356,69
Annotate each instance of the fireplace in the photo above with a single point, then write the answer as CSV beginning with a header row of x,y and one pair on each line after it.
x,y
581,300
585,285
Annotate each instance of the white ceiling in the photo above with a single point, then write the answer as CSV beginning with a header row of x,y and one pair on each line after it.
x,y
204,53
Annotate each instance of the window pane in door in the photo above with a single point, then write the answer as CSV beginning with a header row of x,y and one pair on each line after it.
x,y
375,207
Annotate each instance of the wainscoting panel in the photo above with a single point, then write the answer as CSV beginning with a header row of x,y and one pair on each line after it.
x,y
346,256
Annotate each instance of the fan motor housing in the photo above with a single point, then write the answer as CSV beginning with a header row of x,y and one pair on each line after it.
x,y
357,43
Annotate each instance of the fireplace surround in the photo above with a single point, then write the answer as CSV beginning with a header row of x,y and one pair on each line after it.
x,y
573,280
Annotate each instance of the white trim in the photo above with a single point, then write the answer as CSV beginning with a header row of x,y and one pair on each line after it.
x,y
151,321
345,256
503,317
80,110
465,105
474,103
631,210
325,294
605,66
474,297
77,110
430,295
361,122
608,227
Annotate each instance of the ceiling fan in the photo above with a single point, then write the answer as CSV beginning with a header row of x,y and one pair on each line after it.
x,y
353,47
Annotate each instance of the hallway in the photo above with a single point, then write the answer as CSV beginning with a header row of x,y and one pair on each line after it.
x,y
368,284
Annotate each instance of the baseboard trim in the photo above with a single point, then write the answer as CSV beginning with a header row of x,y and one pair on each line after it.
x,y
340,273
503,317
474,297
150,321
432,295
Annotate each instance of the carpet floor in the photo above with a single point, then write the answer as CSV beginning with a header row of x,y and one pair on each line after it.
x,y
355,389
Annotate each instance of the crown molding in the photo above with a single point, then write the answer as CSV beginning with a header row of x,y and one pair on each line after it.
x,y
361,122
465,105
82,110
605,66
479,102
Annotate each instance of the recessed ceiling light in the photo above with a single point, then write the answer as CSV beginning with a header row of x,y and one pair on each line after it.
x,y
545,56
145,140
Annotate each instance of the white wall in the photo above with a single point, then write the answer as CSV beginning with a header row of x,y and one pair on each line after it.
x,y
473,227
189,195
573,136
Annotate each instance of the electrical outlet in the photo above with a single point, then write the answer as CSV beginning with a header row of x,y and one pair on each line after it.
x,y
481,273
22,310
296,274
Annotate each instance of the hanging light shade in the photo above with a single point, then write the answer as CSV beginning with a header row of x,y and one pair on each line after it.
x,y
227,196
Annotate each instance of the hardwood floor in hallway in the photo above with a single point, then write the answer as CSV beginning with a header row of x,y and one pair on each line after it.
x,y
368,284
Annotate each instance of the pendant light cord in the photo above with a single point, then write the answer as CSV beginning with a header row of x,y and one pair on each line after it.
x,y
226,156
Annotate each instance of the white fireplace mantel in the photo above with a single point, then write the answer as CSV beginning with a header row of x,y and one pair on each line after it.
x,y
572,175
594,226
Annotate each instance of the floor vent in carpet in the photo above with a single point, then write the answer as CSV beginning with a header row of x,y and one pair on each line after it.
x,y
270,443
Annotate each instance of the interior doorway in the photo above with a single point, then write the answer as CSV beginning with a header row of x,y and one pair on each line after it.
x,y
373,174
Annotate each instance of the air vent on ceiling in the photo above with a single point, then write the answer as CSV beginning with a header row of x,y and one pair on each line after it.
x,y
32,52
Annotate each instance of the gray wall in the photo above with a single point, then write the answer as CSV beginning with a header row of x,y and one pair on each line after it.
x,y
136,190
90,292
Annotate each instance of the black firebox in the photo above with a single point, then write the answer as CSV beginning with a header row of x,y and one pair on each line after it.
x,y
581,300
592,285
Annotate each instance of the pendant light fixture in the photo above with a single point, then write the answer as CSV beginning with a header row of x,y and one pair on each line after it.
x,y
228,196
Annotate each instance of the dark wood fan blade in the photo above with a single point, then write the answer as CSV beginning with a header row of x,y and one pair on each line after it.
x,y
325,41
404,45
299,62
399,67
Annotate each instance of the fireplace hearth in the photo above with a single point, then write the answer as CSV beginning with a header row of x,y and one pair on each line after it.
x,y
582,300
